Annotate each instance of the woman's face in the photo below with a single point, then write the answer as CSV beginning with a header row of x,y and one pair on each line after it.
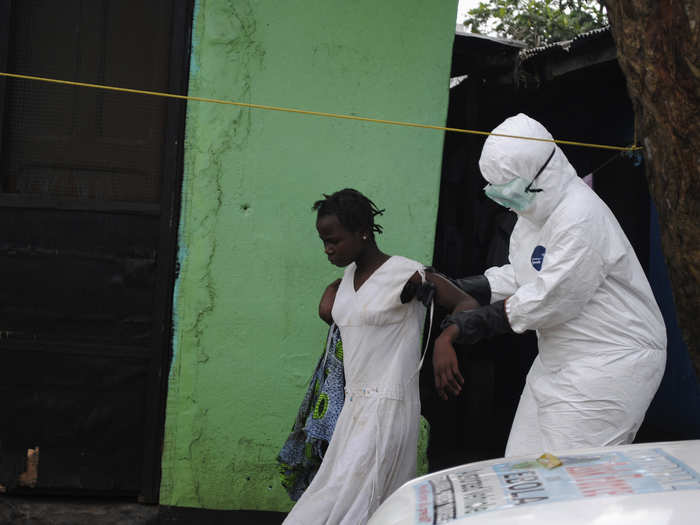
x,y
340,245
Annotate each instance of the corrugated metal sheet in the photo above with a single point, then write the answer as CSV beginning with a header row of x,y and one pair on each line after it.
x,y
461,32
578,43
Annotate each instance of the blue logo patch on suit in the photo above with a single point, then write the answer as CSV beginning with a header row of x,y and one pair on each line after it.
x,y
537,257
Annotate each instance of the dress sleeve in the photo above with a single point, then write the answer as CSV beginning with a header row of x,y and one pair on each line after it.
x,y
572,270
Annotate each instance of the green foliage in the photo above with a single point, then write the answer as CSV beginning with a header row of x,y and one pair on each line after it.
x,y
536,22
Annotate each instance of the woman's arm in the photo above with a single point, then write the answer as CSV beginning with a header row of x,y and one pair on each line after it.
x,y
448,379
450,296
447,294
325,307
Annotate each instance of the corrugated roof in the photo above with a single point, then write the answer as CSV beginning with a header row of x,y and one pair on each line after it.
x,y
462,32
567,46
498,58
594,36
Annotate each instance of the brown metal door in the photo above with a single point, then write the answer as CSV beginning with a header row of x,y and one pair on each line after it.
x,y
89,201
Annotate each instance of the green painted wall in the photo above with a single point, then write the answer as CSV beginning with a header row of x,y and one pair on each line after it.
x,y
252,268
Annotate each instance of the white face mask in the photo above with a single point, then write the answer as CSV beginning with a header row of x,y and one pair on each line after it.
x,y
517,194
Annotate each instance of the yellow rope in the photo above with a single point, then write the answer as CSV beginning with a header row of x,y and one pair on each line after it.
x,y
314,113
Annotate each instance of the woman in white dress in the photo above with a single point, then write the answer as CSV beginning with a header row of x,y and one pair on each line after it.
x,y
373,448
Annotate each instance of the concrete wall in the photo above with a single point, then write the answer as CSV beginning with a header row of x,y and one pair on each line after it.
x,y
252,268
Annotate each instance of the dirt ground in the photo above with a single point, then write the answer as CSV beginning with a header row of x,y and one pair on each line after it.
x,y
63,511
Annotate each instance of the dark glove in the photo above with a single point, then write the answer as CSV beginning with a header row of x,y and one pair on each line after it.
x,y
424,292
477,286
481,323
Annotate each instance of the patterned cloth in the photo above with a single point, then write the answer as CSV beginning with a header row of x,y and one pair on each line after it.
x,y
303,451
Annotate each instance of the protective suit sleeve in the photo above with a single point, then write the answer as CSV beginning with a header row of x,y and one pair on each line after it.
x,y
501,281
571,272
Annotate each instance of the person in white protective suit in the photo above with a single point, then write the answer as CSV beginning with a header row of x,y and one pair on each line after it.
x,y
575,279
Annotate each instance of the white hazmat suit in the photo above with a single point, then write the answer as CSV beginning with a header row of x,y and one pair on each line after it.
x,y
575,279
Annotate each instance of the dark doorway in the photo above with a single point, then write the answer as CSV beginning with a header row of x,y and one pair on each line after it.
x,y
89,202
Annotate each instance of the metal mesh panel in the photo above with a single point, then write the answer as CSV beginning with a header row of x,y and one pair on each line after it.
x,y
79,143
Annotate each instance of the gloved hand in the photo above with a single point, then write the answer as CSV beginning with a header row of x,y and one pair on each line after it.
x,y
468,326
477,286
480,323
423,291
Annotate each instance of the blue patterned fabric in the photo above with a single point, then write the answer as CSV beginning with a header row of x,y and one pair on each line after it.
x,y
303,451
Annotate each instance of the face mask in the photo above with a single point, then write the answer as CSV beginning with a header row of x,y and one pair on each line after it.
x,y
513,194
517,194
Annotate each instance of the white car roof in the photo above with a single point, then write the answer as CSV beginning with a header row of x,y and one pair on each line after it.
x,y
643,484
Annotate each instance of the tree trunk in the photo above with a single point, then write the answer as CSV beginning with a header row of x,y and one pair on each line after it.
x,y
658,47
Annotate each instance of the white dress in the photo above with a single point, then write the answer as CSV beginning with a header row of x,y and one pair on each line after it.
x,y
373,448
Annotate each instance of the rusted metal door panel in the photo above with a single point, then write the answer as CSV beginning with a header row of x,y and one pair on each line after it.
x,y
89,203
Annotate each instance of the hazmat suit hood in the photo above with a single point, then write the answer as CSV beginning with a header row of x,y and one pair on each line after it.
x,y
503,159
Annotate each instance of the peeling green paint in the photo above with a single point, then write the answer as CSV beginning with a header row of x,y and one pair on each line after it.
x,y
246,333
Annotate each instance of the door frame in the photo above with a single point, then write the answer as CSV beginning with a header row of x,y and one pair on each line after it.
x,y
168,270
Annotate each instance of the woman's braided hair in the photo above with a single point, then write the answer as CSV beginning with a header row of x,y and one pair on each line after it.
x,y
354,211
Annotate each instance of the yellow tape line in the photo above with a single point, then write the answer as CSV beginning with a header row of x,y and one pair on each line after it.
x,y
314,113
